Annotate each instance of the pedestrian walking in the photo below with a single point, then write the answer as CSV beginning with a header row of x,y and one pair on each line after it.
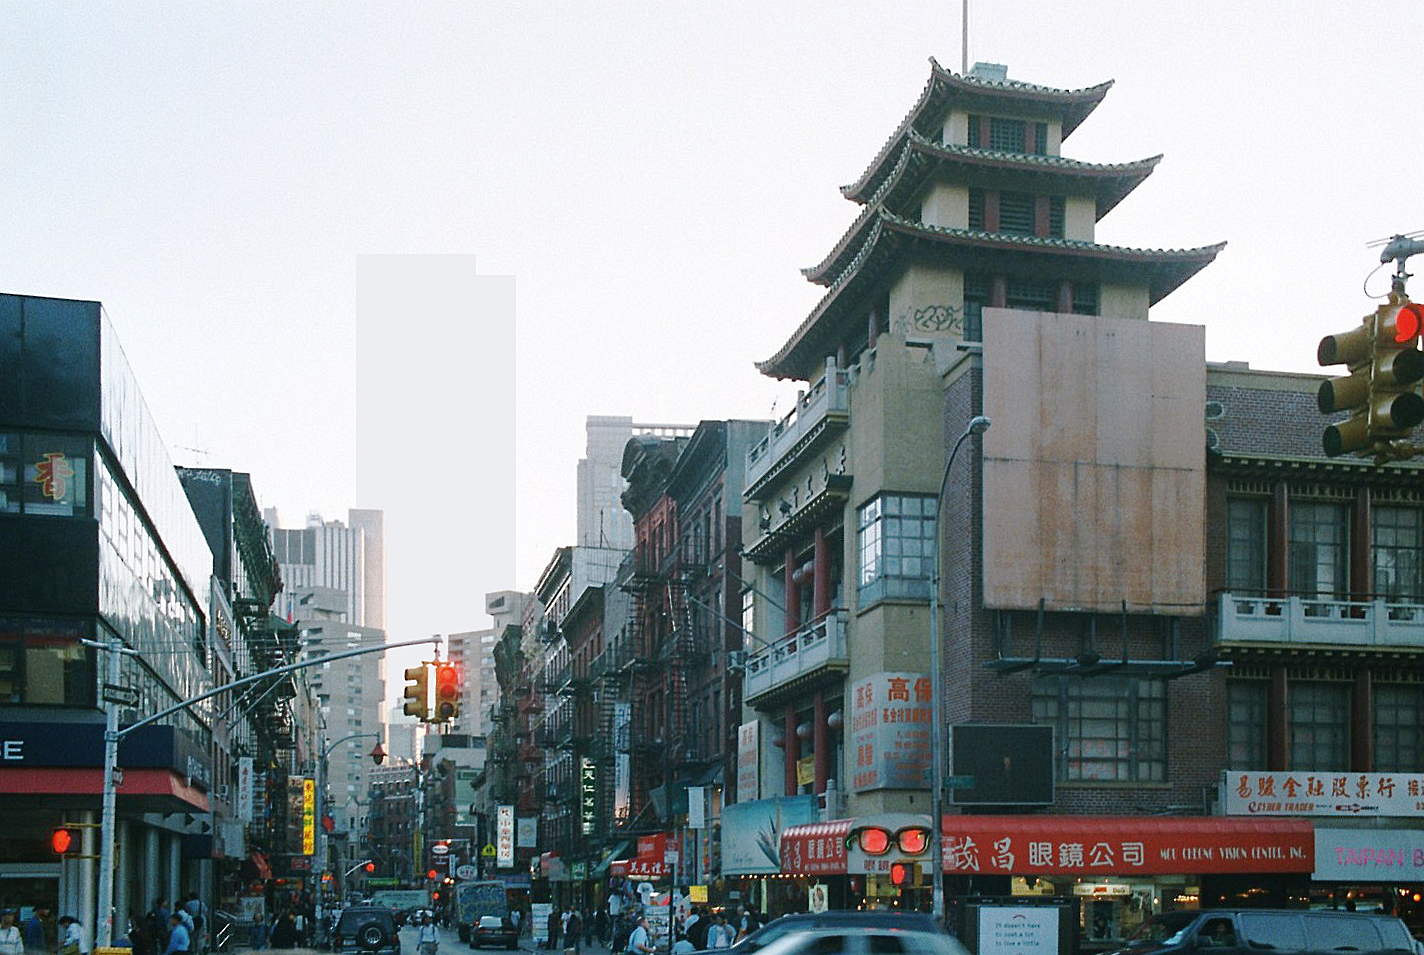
x,y
573,932
428,938
601,925
258,932
71,939
179,940
12,940
36,934
588,926
640,942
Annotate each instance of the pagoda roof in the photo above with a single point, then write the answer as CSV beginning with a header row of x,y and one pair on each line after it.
x,y
891,240
973,92
1109,183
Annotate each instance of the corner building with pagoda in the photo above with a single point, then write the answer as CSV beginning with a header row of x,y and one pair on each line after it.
x,y
1082,685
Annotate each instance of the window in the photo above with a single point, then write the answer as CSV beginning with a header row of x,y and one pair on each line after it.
x,y
1006,134
1396,537
1319,549
896,534
1246,545
1319,726
1085,298
976,209
1016,213
1398,717
1033,296
1056,214
1246,702
1110,728
44,474
42,662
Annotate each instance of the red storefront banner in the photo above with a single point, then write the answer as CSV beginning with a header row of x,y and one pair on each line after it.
x,y
653,860
1083,845
816,848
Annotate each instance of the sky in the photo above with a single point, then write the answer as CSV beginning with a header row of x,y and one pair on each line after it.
x,y
391,256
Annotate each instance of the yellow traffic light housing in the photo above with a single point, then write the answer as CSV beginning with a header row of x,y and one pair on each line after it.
x,y
447,693
1381,392
417,692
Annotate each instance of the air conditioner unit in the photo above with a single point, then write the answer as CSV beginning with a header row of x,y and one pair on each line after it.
x,y
736,659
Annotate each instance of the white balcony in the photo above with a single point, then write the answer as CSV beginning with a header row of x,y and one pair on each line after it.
x,y
810,648
827,400
1311,621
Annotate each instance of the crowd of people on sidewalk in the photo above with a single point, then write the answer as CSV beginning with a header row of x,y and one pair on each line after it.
x,y
628,933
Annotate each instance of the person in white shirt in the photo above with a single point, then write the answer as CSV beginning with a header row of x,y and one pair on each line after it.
x,y
12,941
640,942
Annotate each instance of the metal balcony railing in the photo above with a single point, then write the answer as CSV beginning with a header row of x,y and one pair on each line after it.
x,y
828,395
1319,621
809,648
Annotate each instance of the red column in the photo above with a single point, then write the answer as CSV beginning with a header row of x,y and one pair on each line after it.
x,y
821,586
1278,542
793,750
819,733
792,598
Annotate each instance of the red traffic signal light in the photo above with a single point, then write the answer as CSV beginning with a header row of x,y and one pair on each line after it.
x,y
369,867
432,875
62,840
447,692
1381,392
902,873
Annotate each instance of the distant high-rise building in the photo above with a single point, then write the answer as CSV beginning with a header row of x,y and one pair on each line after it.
x,y
474,652
349,558
335,576
602,521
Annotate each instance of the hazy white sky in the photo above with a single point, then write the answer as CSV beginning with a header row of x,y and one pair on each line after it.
x,y
625,191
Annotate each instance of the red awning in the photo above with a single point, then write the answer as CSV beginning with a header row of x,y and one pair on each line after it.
x,y
1083,845
138,784
815,848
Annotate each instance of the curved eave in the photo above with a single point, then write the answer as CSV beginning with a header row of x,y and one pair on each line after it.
x,y
944,87
1109,184
894,240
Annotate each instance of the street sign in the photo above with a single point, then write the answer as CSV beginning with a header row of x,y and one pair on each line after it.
x,y
122,695
466,873
959,782
488,851
439,849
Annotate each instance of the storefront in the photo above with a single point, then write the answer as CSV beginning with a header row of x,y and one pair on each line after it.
x,y
1121,869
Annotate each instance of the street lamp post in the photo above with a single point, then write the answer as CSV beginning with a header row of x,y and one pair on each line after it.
x,y
977,425
377,755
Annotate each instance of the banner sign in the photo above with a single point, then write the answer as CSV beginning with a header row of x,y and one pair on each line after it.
x,y
890,719
622,762
504,836
1322,794
696,807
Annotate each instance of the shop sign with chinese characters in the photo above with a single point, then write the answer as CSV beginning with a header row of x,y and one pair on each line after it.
x,y
504,836
890,731
1322,794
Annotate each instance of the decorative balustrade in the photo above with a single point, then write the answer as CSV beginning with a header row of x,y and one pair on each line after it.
x,y
827,395
1319,621
809,648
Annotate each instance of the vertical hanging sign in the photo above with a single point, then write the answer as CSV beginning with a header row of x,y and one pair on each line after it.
x,y
244,789
504,837
588,779
308,817
696,807
748,757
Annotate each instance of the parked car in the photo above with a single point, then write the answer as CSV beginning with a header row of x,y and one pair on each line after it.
x,y
851,939
494,931
1250,931
366,930
802,921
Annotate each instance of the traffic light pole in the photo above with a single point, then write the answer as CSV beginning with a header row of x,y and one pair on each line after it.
x,y
104,917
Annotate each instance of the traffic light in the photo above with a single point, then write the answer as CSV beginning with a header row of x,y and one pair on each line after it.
x,y
902,873
369,867
63,840
1381,392
447,693
417,692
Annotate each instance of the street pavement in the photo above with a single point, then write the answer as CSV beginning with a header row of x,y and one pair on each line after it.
x,y
450,944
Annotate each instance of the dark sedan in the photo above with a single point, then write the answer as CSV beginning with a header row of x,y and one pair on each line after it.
x,y
494,932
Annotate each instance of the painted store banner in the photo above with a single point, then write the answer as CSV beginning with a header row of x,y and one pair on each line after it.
x,y
308,816
1083,845
1322,794
656,856
1369,855
890,718
622,762
748,762
752,832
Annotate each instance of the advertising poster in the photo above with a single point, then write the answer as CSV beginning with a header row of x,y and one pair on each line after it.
x,y
308,817
890,719
539,913
751,831
1018,930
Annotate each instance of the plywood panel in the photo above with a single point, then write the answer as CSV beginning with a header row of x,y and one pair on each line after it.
x,y
1094,469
